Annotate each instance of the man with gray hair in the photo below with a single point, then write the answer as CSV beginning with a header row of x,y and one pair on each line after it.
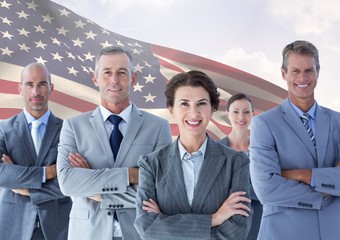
x,y
98,153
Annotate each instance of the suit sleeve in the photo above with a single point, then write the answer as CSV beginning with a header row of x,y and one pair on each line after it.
x,y
265,171
85,182
27,177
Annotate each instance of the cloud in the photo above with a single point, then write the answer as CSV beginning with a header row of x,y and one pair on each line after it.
x,y
256,63
307,16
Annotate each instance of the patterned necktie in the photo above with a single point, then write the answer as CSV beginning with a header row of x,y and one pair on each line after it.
x,y
36,135
305,118
116,136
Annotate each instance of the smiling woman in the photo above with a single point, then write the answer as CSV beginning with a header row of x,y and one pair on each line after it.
x,y
195,181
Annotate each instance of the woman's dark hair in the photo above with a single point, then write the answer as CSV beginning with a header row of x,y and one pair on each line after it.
x,y
192,78
239,96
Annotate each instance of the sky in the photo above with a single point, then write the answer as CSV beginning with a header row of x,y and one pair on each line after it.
x,y
248,34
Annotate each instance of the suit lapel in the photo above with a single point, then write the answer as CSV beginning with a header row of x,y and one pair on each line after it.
x,y
25,137
322,125
134,126
100,132
293,120
173,172
212,165
51,132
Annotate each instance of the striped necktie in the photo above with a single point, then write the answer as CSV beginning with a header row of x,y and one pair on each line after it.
x,y
305,119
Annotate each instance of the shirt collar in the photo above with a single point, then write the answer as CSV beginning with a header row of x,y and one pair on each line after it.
x,y
125,114
44,118
311,111
183,152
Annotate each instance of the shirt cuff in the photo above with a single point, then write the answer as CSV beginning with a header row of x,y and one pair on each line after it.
x,y
44,175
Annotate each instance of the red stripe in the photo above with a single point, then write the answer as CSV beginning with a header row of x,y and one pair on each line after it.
x,y
204,63
8,112
170,66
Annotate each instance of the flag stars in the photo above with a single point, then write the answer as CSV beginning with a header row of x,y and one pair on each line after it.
x,y
89,56
104,31
149,78
23,47
137,44
119,43
80,24
48,18
7,35
6,21
39,29
64,12
40,44
5,4
40,60
56,56
138,68
147,64
32,5
22,14
77,42
70,55
6,51
137,87
62,31
149,98
56,41
71,70
106,44
23,32
136,51
90,34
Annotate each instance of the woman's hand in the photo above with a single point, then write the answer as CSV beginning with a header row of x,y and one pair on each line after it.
x,y
233,205
151,206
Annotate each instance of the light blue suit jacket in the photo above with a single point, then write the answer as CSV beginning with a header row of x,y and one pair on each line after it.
x,y
18,213
223,172
86,134
291,209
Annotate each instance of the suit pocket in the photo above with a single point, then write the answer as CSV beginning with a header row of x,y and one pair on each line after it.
x,y
77,213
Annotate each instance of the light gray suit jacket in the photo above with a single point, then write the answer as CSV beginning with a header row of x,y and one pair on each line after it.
x,y
294,210
86,134
18,213
223,172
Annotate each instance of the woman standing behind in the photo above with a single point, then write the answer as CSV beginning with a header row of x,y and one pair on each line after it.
x,y
240,112
195,188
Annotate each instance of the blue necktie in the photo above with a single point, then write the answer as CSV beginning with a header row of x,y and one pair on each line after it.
x,y
116,136
305,118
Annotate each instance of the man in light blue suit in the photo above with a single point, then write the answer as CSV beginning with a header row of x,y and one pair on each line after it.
x,y
104,185
293,164
32,206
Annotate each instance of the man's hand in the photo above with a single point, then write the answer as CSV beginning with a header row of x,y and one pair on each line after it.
x,y
51,172
23,191
96,198
78,161
133,176
300,175
6,159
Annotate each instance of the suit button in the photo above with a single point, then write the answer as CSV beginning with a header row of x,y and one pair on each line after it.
x,y
110,205
121,205
103,189
111,189
310,205
109,213
108,189
116,189
114,205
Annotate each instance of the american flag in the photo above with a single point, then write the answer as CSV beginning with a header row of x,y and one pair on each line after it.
x,y
66,43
